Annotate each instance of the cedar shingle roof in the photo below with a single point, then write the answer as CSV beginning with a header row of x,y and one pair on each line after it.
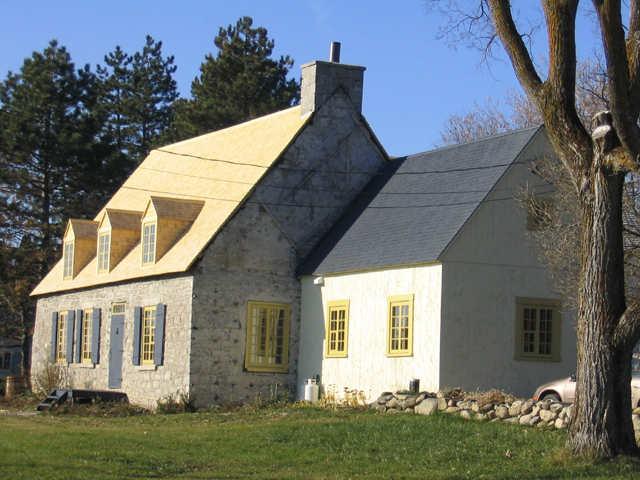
x,y
412,211
176,209
219,169
122,219
82,228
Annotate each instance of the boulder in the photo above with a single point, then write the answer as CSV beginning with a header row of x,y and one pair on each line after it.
x,y
427,407
465,414
408,402
502,412
516,408
527,408
384,398
548,416
487,407
526,419
556,407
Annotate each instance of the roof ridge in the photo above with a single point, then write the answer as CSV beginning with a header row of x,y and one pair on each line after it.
x,y
475,140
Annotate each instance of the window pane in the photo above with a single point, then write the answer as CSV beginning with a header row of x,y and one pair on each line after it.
x,y
148,334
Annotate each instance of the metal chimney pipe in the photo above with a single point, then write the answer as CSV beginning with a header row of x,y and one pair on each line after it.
x,y
334,54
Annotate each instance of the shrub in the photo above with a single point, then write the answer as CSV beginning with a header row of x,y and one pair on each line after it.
x,y
50,376
180,402
278,396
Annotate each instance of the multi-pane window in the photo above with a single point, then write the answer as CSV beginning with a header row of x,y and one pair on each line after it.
x,y
267,337
67,261
103,252
148,334
149,243
337,328
61,337
87,336
538,330
400,326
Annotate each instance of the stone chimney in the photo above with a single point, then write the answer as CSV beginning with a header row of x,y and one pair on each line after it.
x,y
321,79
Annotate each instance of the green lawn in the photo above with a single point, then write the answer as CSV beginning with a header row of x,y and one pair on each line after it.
x,y
303,443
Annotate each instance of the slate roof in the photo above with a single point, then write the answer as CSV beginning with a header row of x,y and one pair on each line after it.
x,y
412,211
218,171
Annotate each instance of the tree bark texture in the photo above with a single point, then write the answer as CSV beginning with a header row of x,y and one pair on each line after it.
x,y
601,424
607,330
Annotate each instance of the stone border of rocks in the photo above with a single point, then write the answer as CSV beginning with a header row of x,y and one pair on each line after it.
x,y
543,414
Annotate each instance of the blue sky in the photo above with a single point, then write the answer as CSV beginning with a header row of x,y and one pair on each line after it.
x,y
413,81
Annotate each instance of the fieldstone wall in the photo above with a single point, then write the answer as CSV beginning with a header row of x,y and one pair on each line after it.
x,y
250,260
256,255
541,414
143,384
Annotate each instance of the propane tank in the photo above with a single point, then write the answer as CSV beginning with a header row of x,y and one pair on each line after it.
x,y
311,390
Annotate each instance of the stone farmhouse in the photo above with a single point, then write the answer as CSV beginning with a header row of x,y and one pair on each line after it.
x,y
292,246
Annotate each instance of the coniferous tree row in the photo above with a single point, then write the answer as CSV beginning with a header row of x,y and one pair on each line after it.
x,y
239,83
70,137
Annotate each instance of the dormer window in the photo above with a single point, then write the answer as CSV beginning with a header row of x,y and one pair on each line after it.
x,y
118,232
164,221
67,257
104,244
79,246
148,243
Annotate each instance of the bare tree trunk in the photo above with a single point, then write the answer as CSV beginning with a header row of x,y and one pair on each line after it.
x,y
601,423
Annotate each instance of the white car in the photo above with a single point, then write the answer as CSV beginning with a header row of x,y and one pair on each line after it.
x,y
564,390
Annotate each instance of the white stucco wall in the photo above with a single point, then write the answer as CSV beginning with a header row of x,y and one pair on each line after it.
x,y
367,368
485,268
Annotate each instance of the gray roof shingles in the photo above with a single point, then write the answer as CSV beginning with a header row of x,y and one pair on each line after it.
x,y
412,211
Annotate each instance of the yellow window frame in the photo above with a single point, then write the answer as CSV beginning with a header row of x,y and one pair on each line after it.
x,y
538,329
87,336
337,329
400,326
61,337
148,334
149,242
267,346
104,247
67,260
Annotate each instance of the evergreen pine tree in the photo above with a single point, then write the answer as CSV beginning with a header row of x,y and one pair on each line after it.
x,y
138,92
51,165
240,83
